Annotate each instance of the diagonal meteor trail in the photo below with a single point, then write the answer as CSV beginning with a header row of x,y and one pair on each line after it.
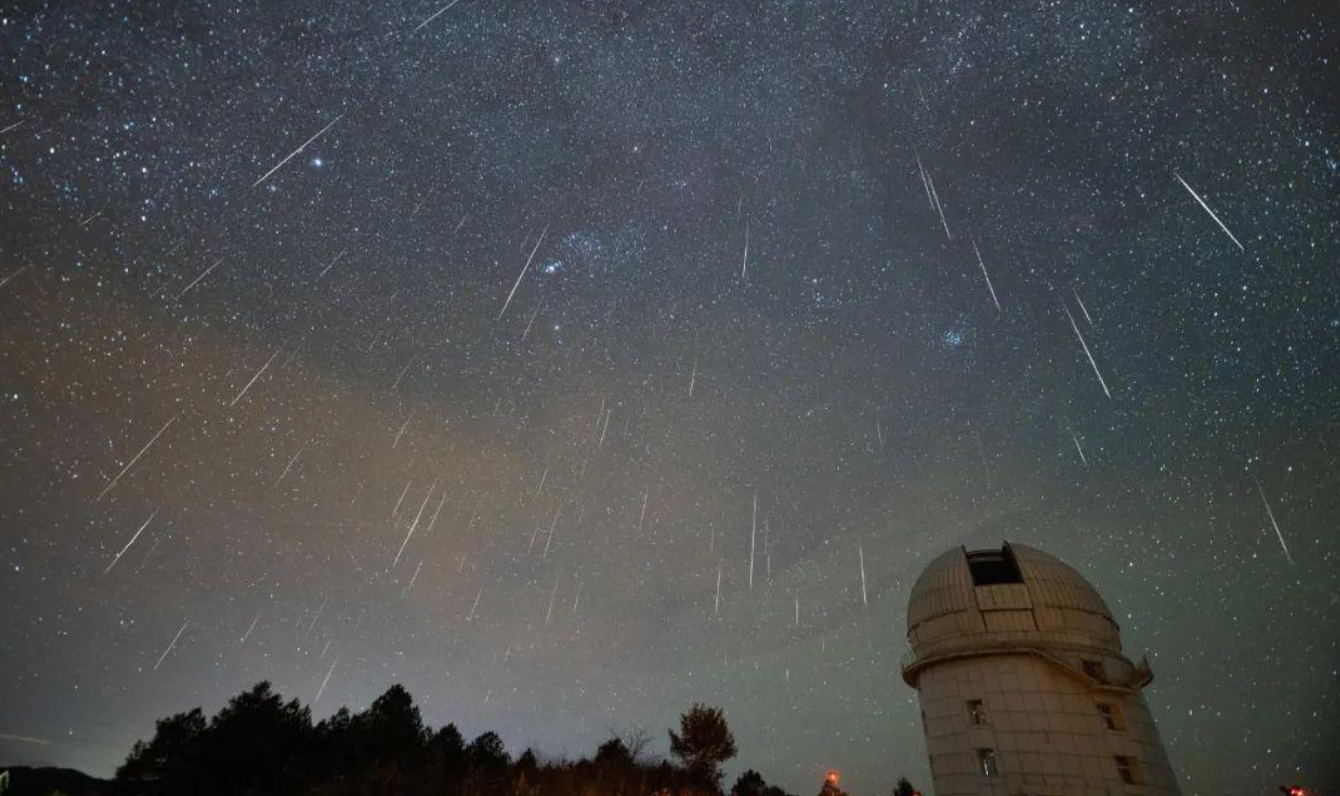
x,y
1273,524
986,275
1085,346
439,13
521,275
126,469
131,542
296,151
238,397
1196,196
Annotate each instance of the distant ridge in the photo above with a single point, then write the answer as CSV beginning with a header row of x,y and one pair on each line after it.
x,y
41,781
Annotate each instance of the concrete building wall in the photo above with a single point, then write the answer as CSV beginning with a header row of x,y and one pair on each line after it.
x,y
1043,727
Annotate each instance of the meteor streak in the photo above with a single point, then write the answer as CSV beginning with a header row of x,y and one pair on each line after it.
x,y
1087,353
131,542
521,275
173,644
1201,201
296,151
126,469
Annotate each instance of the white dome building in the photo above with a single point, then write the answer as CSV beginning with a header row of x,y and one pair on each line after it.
x,y
1023,686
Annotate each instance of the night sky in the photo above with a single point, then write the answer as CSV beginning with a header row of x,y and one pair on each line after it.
x,y
345,344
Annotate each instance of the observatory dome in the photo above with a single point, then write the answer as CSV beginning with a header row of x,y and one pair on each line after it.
x,y
1016,598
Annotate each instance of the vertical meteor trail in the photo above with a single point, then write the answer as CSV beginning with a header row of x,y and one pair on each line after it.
x,y
1271,514
716,606
552,596
860,551
753,531
414,524
530,323
985,275
471,617
925,183
744,266
1082,308
1087,353
938,207
1082,458
322,689
549,541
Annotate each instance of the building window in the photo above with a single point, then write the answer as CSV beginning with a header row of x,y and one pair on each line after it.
x,y
1094,669
986,762
1111,716
976,712
1127,769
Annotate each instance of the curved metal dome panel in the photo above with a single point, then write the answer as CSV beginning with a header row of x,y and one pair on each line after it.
x,y
1011,597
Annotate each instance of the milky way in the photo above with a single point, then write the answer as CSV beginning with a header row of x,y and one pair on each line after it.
x,y
569,362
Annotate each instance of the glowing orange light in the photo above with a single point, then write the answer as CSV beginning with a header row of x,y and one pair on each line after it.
x,y
832,777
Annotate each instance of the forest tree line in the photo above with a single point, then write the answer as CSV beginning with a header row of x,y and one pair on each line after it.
x,y
259,745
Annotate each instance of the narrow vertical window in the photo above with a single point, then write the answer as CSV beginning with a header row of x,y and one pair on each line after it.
x,y
986,762
1127,770
1111,716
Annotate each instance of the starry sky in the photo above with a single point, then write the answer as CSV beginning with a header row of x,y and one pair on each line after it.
x,y
570,361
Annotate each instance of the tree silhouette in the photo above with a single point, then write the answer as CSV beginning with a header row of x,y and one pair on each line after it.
x,y
260,745
904,788
162,765
703,743
613,754
256,742
750,783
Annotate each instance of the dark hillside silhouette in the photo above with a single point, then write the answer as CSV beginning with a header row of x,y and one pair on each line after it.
x,y
44,781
